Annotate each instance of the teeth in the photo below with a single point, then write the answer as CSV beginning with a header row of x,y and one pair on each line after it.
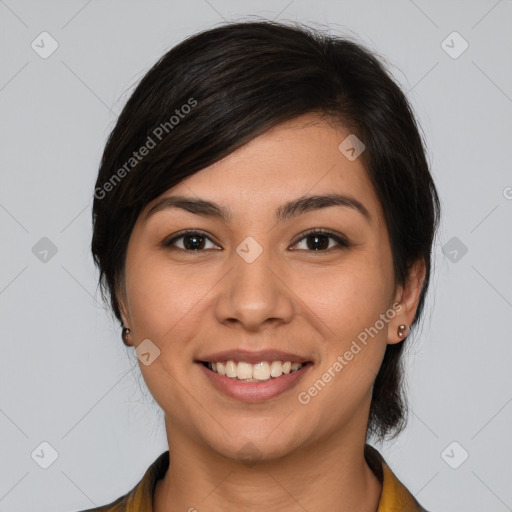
x,y
231,369
276,369
261,371
244,371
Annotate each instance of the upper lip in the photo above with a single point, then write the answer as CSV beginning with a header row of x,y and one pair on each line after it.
x,y
253,357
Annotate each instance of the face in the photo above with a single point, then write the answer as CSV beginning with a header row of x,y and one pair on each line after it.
x,y
264,276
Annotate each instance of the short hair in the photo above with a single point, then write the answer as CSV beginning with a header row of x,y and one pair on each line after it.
x,y
222,87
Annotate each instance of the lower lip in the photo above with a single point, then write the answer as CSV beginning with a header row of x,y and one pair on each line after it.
x,y
254,391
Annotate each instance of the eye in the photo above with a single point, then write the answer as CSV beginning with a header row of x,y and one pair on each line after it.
x,y
193,241
318,240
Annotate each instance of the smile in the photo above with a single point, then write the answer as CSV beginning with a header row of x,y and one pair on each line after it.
x,y
260,372
250,389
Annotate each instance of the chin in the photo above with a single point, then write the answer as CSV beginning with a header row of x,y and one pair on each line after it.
x,y
250,450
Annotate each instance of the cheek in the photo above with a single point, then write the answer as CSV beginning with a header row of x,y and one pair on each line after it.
x,y
350,297
166,307
350,300
163,299
349,304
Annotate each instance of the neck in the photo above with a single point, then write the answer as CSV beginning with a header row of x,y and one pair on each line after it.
x,y
332,475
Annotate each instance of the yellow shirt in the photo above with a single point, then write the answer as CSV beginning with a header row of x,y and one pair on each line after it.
x,y
394,497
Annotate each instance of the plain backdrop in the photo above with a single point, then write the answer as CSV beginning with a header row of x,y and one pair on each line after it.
x,y
70,388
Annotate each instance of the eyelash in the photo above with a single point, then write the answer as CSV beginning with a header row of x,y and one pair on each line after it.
x,y
342,242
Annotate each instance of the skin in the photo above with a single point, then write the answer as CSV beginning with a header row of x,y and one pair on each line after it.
x,y
293,298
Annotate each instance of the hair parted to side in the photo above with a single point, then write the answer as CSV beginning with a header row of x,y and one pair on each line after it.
x,y
220,88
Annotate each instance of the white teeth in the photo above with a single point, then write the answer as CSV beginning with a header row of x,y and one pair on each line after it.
x,y
276,369
244,371
231,368
261,371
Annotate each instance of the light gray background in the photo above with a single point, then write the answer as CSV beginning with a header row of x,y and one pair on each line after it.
x,y
66,377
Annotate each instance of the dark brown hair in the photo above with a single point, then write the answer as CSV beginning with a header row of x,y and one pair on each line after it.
x,y
220,88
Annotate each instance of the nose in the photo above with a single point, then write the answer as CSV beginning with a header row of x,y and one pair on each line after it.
x,y
254,293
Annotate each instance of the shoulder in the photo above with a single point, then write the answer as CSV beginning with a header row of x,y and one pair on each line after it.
x,y
395,495
118,505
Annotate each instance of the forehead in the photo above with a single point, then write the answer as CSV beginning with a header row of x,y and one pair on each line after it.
x,y
293,159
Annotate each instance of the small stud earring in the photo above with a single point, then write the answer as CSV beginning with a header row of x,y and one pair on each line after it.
x,y
124,334
401,330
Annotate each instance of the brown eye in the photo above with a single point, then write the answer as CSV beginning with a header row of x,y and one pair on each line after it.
x,y
319,240
192,241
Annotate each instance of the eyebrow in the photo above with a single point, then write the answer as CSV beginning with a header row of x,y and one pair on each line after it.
x,y
287,211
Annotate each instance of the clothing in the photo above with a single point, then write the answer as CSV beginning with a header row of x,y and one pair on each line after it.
x,y
394,498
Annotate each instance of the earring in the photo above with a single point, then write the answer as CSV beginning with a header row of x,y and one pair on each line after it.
x,y
401,330
124,334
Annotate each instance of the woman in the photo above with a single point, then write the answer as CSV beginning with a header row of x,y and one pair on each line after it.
x,y
263,224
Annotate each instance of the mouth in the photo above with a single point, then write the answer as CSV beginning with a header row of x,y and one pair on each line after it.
x,y
262,371
253,377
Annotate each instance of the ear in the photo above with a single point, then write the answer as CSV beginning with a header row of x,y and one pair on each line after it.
x,y
406,301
